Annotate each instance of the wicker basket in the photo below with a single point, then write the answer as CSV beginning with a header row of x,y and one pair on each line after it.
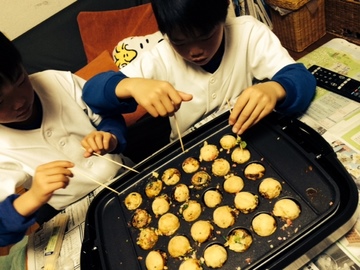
x,y
301,27
343,19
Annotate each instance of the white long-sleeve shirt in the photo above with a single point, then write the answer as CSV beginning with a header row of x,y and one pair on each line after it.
x,y
63,126
251,50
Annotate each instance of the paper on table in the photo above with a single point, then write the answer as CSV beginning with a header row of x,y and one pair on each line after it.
x,y
71,246
337,119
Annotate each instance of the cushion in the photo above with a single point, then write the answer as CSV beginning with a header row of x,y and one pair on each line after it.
x,y
103,62
102,30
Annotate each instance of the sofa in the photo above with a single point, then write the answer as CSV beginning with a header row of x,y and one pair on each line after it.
x,y
56,43
80,39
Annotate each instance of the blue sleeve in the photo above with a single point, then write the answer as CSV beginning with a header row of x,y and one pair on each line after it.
x,y
115,125
13,226
99,95
300,86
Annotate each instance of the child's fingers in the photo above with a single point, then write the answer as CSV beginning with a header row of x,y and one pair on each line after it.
x,y
56,163
58,181
55,173
106,141
245,118
185,96
102,142
93,143
169,107
156,109
98,142
46,181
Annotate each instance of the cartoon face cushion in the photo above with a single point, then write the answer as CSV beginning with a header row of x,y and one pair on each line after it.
x,y
130,48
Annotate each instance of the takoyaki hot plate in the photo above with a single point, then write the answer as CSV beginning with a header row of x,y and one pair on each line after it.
x,y
289,150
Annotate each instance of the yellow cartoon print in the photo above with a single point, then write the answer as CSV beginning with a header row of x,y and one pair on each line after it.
x,y
123,55
130,48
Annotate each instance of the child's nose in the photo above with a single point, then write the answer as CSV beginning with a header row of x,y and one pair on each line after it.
x,y
19,104
196,51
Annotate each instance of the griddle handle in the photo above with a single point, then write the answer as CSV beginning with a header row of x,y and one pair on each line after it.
x,y
310,140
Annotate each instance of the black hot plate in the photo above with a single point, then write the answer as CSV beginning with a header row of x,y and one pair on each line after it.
x,y
289,150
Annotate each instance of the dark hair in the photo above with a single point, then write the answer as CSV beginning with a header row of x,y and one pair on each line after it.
x,y
10,61
187,16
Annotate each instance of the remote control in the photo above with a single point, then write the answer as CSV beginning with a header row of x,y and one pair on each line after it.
x,y
336,82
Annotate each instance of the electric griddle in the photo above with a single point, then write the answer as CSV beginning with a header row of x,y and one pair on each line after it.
x,y
290,151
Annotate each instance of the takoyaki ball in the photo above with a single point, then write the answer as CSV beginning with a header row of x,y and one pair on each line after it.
x,y
153,188
264,224
208,152
233,184
171,176
190,165
286,209
200,179
270,188
240,155
133,200
168,224
201,231
148,237
181,193
179,246
190,210
190,264
215,256
228,141
224,216
140,219
239,240
220,167
254,171
155,260
160,205
246,202
212,198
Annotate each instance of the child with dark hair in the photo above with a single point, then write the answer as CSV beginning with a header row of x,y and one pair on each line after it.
x,y
207,61
44,128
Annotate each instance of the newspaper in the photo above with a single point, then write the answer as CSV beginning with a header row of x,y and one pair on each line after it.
x,y
336,118
71,247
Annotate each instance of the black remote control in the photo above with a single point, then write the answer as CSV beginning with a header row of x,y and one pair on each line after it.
x,y
336,82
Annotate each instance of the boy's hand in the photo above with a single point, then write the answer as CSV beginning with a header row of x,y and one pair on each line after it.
x,y
50,177
47,178
253,104
157,97
100,142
